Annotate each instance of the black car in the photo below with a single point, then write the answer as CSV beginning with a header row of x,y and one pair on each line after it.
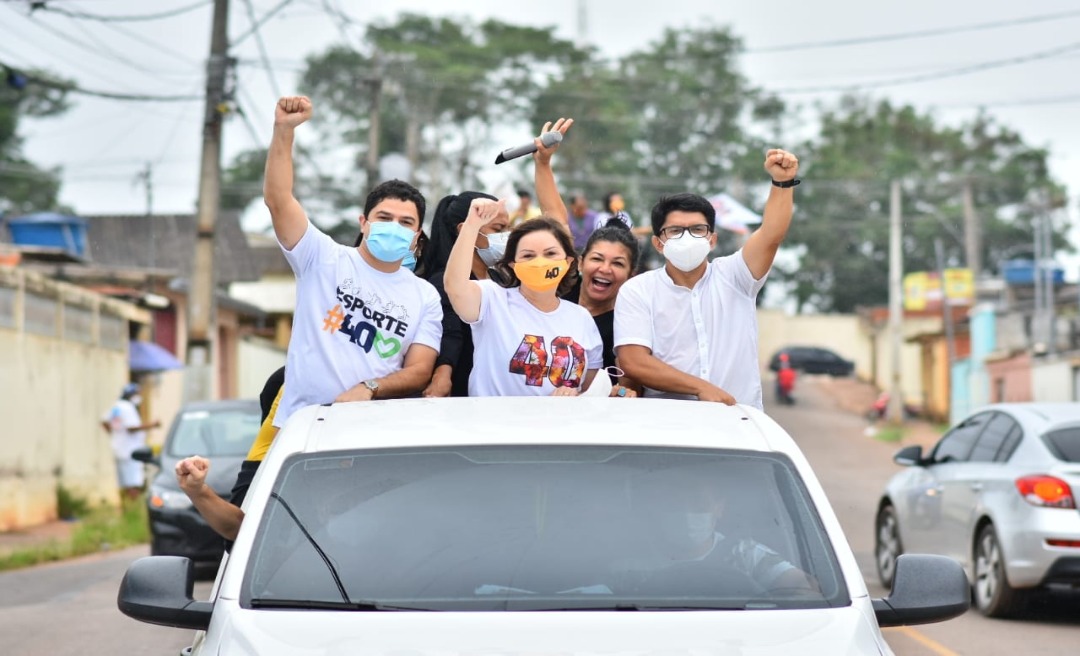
x,y
813,360
222,431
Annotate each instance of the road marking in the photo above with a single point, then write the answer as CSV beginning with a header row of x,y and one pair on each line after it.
x,y
932,645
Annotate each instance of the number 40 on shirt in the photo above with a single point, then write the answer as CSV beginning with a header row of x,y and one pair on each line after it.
x,y
564,366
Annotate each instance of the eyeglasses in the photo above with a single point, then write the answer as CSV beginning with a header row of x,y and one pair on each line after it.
x,y
674,232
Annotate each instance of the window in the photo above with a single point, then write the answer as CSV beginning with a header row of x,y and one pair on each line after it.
x,y
540,528
218,433
1064,444
992,438
1012,440
957,443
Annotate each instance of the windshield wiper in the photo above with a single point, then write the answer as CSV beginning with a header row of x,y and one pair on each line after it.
x,y
318,549
304,604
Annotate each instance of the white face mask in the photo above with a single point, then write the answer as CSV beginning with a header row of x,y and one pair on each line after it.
x,y
687,252
495,250
136,400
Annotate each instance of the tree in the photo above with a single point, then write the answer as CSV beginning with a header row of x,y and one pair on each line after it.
x,y
24,186
842,225
443,84
675,116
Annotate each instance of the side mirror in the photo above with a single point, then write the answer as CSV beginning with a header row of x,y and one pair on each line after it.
x,y
925,589
158,590
146,454
909,456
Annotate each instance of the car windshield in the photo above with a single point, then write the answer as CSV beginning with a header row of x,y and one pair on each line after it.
x,y
214,433
541,528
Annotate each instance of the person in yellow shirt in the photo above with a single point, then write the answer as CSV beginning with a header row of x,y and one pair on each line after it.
x,y
525,211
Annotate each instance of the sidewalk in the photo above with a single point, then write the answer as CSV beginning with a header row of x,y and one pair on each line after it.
x,y
58,531
854,396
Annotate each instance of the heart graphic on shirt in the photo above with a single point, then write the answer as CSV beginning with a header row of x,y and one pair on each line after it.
x,y
386,347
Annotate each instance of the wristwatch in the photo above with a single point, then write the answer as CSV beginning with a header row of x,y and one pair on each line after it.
x,y
786,184
372,385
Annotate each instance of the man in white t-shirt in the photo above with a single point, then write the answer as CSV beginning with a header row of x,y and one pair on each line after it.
x,y
124,424
364,327
689,329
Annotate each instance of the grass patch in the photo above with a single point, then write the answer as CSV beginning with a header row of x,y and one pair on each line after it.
x,y
101,529
889,434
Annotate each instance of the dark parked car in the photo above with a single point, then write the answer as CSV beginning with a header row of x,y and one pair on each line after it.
x,y
222,431
813,360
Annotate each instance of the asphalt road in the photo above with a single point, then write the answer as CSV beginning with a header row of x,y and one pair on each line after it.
x,y
70,608
853,469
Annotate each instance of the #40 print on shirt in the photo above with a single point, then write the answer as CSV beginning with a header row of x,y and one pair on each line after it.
x,y
564,366
371,323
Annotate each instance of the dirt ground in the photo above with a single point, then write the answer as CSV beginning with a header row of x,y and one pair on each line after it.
x,y
856,396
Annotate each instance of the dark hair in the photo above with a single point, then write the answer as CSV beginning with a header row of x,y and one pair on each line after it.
x,y
617,232
607,200
523,193
504,267
681,203
398,190
451,212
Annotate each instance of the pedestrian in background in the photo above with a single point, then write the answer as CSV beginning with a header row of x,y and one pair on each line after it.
x,y
125,425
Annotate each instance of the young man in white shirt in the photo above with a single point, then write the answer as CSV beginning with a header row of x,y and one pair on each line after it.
x,y
689,329
364,327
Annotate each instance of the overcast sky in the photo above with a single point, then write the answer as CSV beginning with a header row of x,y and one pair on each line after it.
x,y
102,145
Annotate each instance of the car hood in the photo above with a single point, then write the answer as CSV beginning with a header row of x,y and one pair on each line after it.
x,y
834,631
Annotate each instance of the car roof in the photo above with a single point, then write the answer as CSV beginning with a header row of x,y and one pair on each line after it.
x,y
1040,417
531,420
220,406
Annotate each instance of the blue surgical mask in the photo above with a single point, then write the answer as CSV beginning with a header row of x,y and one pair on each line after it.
x,y
409,262
389,241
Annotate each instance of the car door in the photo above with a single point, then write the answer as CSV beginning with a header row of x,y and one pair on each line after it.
x,y
980,477
926,504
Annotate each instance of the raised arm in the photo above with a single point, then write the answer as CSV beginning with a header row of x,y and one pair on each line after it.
x,y
221,515
547,193
761,247
290,221
464,294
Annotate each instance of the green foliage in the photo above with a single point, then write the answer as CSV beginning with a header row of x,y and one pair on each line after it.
x,y
102,529
25,187
70,505
843,211
241,182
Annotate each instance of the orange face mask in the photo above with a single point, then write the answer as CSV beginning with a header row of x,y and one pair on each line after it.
x,y
541,274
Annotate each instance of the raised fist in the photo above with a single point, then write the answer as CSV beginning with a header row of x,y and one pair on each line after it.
x,y
291,111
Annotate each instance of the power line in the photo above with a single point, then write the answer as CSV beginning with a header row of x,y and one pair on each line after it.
x,y
920,34
928,77
262,49
74,88
257,24
43,6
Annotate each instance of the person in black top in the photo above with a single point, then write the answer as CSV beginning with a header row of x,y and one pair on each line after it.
x,y
451,377
609,259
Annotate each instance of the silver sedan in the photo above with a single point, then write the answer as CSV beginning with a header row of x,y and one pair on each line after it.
x,y
996,494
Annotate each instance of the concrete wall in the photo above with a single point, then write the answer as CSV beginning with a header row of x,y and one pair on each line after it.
x,y
63,361
847,335
1054,381
258,359
1010,379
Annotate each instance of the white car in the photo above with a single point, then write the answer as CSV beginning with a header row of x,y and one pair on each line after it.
x,y
996,495
544,525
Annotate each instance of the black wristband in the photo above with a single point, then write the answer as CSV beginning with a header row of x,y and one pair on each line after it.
x,y
786,184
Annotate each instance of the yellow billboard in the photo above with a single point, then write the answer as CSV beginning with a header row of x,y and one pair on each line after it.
x,y
923,289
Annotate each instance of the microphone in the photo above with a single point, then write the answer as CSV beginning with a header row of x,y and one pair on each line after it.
x,y
548,139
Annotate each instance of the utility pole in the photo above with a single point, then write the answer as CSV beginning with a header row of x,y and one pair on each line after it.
x,y
896,308
146,177
375,84
972,232
1048,280
201,306
946,307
